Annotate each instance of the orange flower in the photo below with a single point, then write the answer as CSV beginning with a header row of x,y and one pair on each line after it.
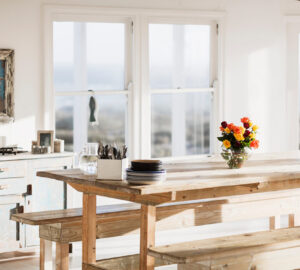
x,y
254,144
238,130
245,120
231,126
221,128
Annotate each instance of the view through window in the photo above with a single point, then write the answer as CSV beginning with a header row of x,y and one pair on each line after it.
x,y
85,60
94,56
180,60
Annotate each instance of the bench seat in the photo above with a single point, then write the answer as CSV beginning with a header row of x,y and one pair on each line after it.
x,y
206,254
64,226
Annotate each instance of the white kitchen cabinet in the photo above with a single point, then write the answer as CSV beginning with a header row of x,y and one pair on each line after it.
x,y
22,191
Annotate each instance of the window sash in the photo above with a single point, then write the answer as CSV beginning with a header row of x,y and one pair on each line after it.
x,y
147,91
139,94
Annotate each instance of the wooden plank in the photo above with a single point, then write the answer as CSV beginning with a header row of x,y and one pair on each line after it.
x,y
236,245
130,262
75,214
89,229
224,191
62,256
256,172
176,216
68,215
45,255
285,259
147,236
144,199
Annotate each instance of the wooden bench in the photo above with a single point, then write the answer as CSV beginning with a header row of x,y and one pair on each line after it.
x,y
64,226
276,249
125,219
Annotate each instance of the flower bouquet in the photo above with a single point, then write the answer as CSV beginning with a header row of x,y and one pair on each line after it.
x,y
236,140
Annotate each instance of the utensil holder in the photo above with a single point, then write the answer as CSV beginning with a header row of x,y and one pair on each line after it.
x,y
112,169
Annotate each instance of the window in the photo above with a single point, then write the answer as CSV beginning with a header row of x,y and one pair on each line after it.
x,y
179,59
90,56
152,80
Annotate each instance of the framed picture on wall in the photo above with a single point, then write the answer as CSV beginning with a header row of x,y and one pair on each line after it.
x,y
46,138
6,85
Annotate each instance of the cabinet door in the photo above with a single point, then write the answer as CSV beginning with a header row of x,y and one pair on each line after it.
x,y
8,228
47,194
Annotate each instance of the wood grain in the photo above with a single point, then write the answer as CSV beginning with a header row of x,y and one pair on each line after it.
x,y
130,262
89,229
177,216
69,215
274,222
45,255
147,236
188,176
236,245
285,259
62,256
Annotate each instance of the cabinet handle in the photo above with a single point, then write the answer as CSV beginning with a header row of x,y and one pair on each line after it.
x,y
3,187
3,170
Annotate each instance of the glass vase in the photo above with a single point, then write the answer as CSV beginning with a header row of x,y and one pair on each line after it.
x,y
235,158
88,159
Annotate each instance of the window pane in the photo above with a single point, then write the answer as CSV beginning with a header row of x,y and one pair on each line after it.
x,y
63,53
179,56
180,124
112,118
72,117
88,56
64,115
105,56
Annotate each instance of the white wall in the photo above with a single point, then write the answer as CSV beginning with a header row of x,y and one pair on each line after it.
x,y
254,74
20,30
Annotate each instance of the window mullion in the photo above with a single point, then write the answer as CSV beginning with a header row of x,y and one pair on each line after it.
x,y
80,80
178,101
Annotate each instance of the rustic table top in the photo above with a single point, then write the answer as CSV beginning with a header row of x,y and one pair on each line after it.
x,y
197,175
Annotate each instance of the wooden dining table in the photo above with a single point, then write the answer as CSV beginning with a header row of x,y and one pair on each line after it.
x,y
187,180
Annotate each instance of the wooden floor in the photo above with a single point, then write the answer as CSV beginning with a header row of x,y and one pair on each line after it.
x,y
119,246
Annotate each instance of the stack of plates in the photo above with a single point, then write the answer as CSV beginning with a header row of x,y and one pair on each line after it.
x,y
146,172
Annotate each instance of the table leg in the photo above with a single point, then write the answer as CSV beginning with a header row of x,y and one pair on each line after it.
x,y
89,229
45,254
147,236
62,256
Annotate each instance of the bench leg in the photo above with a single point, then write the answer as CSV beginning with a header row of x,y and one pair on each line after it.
x,y
89,229
45,255
294,220
274,222
62,256
147,236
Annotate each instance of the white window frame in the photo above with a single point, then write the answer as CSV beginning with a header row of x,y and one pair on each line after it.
x,y
139,113
148,92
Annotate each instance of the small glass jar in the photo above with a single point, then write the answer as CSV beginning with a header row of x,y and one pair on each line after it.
x,y
88,159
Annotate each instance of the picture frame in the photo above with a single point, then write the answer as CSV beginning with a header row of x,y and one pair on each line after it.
x,y
7,104
46,138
